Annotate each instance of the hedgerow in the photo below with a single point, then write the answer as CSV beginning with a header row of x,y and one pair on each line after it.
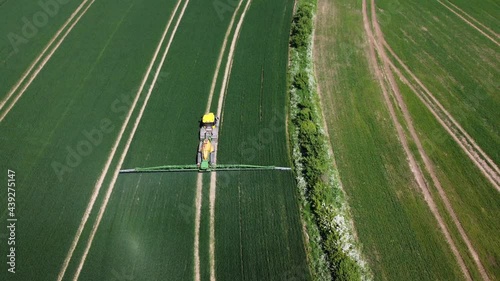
x,y
333,252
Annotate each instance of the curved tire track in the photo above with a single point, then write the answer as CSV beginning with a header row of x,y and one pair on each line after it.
x,y
427,163
416,170
482,161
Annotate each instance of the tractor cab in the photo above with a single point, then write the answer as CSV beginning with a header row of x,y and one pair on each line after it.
x,y
209,126
209,120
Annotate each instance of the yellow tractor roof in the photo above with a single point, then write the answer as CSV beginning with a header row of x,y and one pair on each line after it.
x,y
208,118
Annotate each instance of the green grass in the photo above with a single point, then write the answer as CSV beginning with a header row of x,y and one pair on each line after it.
x,y
255,130
168,132
147,230
398,233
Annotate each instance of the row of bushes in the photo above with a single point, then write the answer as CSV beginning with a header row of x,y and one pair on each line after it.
x,y
323,203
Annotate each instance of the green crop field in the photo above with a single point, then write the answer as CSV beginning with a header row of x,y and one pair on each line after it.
x,y
147,232
253,205
485,11
27,27
89,87
69,100
126,88
393,224
458,64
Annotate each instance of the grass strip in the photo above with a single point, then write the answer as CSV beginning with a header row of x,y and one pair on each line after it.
x,y
332,249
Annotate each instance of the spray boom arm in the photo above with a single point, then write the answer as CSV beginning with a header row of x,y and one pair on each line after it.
x,y
193,168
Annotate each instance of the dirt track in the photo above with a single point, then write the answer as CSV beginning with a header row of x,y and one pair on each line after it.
x,y
197,220
323,7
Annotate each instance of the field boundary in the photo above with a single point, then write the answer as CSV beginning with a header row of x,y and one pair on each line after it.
x,y
44,61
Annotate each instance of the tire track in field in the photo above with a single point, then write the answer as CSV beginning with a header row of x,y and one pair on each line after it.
x,y
417,172
229,64
213,175
482,161
469,23
429,167
221,55
199,187
131,136
475,20
197,221
34,74
445,200
113,150
220,105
